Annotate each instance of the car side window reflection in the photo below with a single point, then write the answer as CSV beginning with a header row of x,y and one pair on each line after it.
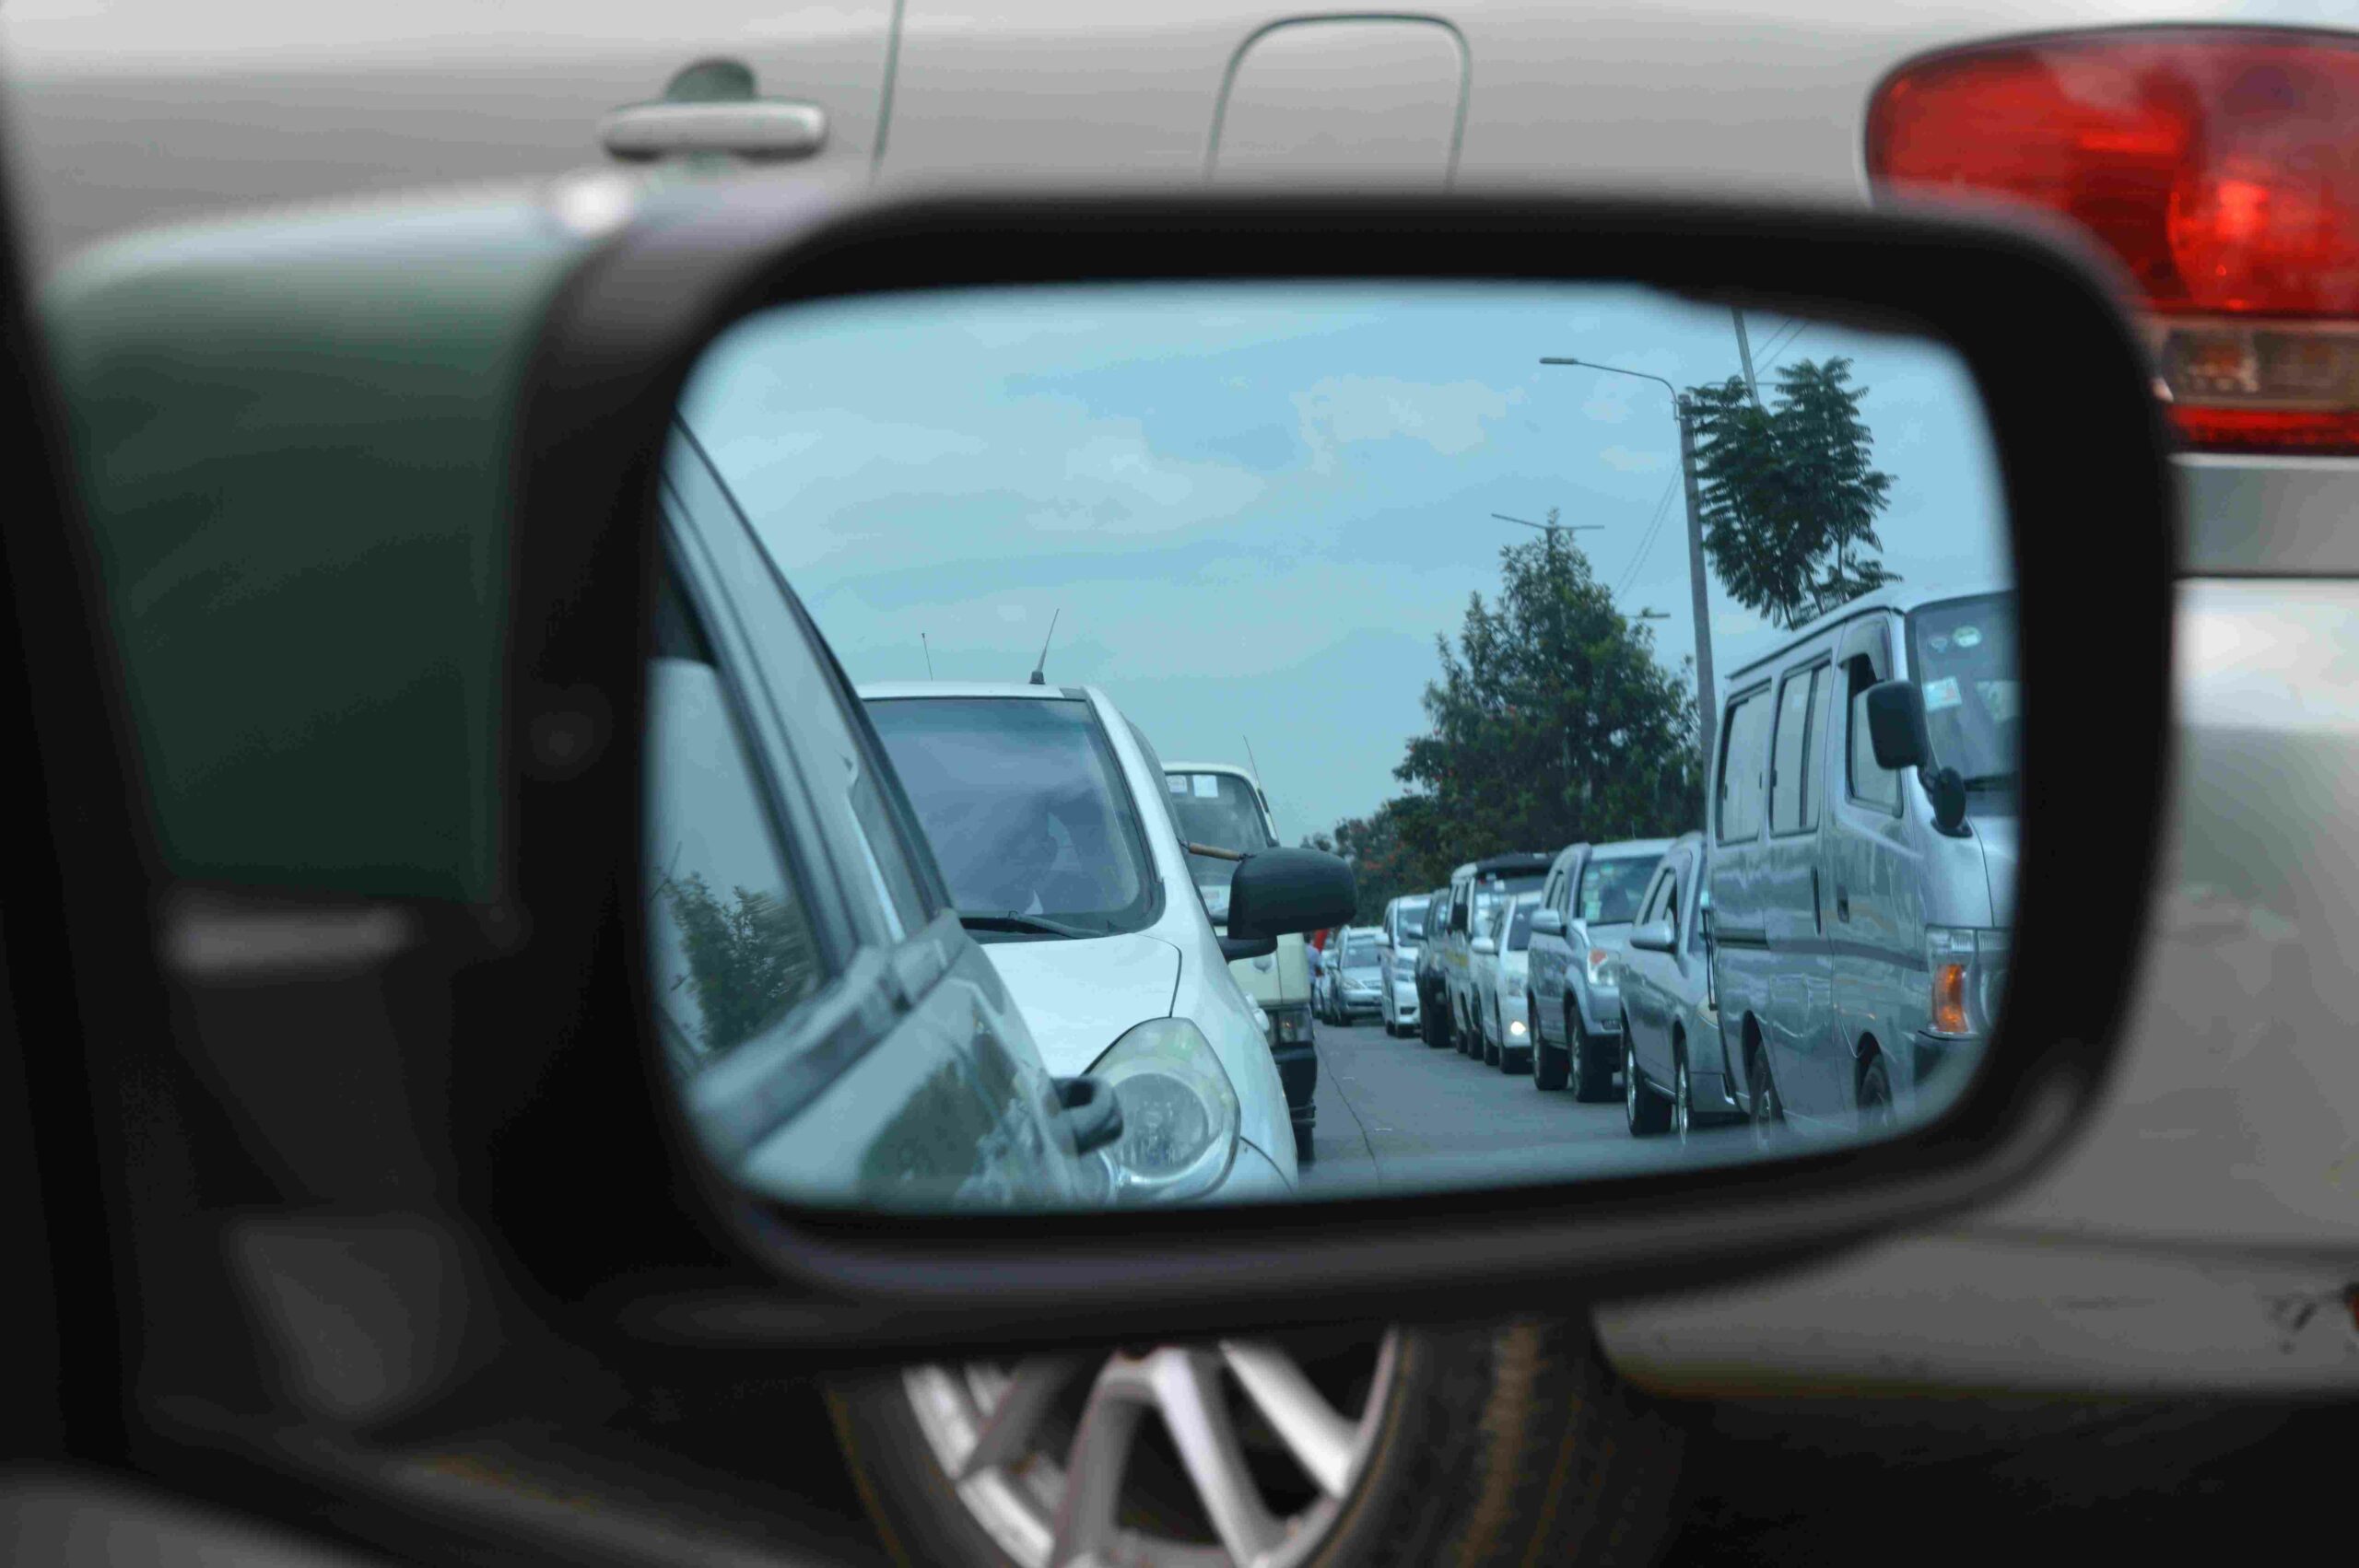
x,y
1868,782
733,950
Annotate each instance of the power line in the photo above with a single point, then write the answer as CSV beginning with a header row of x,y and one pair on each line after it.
x,y
1647,542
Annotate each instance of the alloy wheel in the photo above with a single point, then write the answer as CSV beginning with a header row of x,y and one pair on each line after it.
x,y
1682,1108
1049,1456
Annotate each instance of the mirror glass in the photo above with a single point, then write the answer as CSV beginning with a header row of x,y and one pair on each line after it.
x,y
1019,648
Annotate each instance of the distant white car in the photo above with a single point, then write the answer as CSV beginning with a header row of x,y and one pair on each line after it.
x,y
1043,806
1352,986
1497,959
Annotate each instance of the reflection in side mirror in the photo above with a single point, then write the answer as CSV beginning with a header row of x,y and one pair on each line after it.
x,y
1655,936
1897,725
1287,892
1547,922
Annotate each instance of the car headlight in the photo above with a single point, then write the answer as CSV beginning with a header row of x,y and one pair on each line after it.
x,y
1600,964
1290,1026
1179,1113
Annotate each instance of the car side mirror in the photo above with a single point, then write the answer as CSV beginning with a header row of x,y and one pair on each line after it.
x,y
1655,936
1282,892
1897,725
1483,944
1234,947
1547,922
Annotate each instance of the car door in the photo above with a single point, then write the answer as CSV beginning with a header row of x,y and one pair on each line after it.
x,y
942,1092
1798,1023
1739,810
1545,959
1645,980
1876,924
145,112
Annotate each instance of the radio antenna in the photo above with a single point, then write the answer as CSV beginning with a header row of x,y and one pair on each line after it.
x,y
929,655
1254,760
1038,679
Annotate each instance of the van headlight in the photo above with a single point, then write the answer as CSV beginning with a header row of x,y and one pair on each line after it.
x,y
1179,1113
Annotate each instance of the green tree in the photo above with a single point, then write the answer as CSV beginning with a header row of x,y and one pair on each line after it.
x,y
1553,721
1788,492
749,962
1392,852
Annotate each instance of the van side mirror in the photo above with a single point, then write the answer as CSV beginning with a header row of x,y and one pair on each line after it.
x,y
1483,944
1897,725
1655,936
1547,922
1280,892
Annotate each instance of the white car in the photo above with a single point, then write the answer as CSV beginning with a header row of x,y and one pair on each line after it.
x,y
1403,933
1498,959
1042,805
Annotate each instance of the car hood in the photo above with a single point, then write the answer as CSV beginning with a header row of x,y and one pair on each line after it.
x,y
1079,996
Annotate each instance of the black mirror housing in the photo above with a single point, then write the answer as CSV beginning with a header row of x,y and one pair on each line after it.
x,y
1285,892
1234,947
1897,725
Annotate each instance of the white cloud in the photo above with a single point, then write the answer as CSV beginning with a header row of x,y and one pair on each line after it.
x,y
1630,462
1449,416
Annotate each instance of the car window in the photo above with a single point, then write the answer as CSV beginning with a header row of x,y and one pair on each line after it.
x,y
1610,889
1219,809
1520,928
1793,804
733,950
1025,805
1695,920
1867,782
1743,759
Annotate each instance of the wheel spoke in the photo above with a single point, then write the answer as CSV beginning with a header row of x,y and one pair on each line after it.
x,y
1086,1514
1321,1440
1030,1390
1188,1393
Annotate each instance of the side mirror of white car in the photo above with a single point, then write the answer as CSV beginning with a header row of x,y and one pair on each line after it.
x,y
1483,944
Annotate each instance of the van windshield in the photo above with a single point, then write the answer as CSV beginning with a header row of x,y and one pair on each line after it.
x,y
1412,921
1962,652
1219,809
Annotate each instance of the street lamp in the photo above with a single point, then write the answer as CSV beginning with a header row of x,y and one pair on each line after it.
x,y
1707,694
1654,614
1551,528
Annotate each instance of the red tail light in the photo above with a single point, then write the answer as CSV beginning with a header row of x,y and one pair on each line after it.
x,y
2220,164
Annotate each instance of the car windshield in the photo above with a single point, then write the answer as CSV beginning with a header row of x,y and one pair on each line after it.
x,y
1609,890
1219,809
1022,801
1962,652
1359,951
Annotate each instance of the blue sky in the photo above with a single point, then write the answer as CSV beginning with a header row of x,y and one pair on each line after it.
x,y
1256,504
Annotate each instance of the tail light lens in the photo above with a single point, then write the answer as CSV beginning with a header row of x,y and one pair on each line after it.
x,y
2221,164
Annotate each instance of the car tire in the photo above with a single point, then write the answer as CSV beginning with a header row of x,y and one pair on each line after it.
x,y
1493,1052
1550,1065
1592,1069
1306,1149
1433,1024
1875,1112
1683,1093
1768,1113
1494,1445
1648,1113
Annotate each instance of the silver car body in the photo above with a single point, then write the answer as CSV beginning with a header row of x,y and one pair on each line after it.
x,y
1403,933
2199,1234
1828,876
1080,996
1354,990
1501,979
1666,998
1567,985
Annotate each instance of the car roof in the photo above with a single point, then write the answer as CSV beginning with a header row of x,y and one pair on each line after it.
x,y
868,689
1899,598
1630,849
1234,769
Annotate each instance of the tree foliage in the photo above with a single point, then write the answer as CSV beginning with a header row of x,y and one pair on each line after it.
x,y
1787,492
747,961
1552,722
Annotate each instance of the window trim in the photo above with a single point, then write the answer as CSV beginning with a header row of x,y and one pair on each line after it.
x,y
1805,673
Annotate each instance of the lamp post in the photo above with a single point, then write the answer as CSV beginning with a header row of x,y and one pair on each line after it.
x,y
1707,696
1654,614
1551,529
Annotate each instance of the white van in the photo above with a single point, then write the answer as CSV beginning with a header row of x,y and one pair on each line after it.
x,y
1223,806
1863,819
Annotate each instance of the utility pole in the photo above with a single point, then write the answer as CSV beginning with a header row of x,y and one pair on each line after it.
x,y
1707,694
1744,352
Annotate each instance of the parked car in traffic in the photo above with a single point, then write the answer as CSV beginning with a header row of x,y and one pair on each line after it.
x,y
1585,907
1222,805
1433,992
1502,1020
1400,939
1669,1015
1474,888
1041,805
957,1104
1863,855
1355,975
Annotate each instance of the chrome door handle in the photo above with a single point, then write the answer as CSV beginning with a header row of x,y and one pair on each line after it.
x,y
767,129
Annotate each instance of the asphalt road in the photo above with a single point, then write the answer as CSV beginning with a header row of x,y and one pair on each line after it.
x,y
1395,1112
